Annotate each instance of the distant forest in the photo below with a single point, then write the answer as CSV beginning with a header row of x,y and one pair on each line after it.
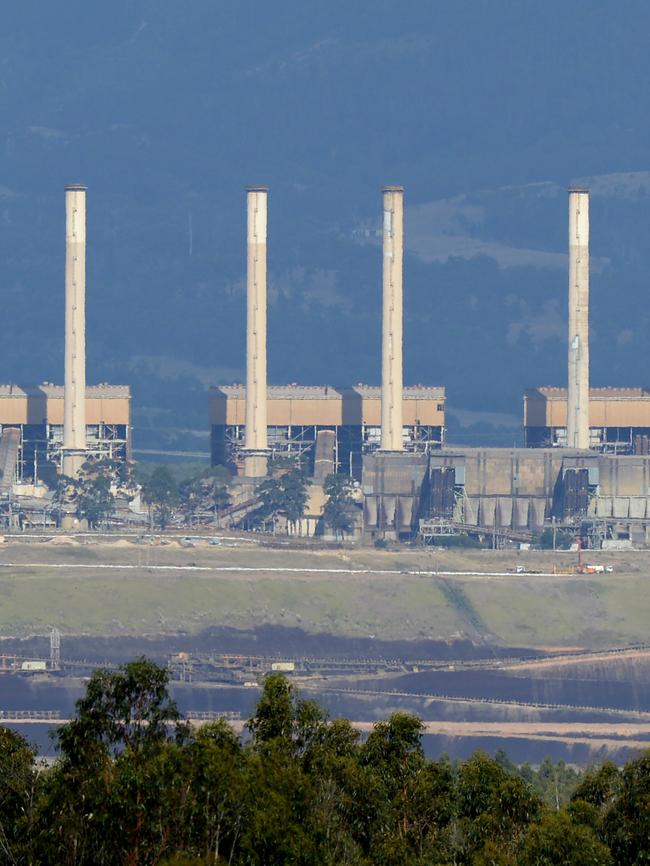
x,y
135,784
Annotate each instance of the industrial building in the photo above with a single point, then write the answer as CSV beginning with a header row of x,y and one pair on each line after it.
x,y
619,419
507,492
32,422
514,493
586,458
297,413
392,439
251,423
51,428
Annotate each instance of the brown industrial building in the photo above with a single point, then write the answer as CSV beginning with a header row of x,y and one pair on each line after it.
x,y
619,419
31,428
297,413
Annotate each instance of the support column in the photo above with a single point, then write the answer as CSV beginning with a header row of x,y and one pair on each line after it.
x,y
392,313
578,371
256,443
74,420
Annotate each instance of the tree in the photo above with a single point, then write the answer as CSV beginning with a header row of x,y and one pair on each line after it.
x,y
95,499
339,512
399,808
561,538
18,788
555,783
134,786
626,825
160,493
291,788
205,494
557,841
493,805
90,494
65,494
113,798
213,812
130,708
283,495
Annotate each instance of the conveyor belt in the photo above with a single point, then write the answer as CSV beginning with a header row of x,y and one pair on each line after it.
x,y
9,444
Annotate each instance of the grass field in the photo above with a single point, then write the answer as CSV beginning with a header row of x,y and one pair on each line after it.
x,y
149,590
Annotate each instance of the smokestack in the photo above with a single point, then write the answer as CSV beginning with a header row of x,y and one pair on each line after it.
x,y
578,395
255,454
74,420
391,354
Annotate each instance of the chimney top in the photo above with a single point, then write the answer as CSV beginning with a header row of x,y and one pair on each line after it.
x,y
257,188
393,188
76,186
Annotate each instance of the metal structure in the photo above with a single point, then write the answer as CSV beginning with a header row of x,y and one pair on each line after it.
x,y
578,367
74,424
256,445
296,414
32,429
619,419
514,493
9,451
392,320
55,649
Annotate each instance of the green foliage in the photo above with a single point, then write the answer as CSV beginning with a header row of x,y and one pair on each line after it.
x,y
626,824
95,499
91,493
18,781
554,783
128,709
563,539
282,495
160,493
461,540
557,841
340,511
205,495
134,785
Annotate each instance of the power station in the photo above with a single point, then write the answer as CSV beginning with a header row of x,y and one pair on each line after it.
x,y
297,414
49,429
586,449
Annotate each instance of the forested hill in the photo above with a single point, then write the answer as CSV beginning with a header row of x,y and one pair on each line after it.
x,y
484,109
135,785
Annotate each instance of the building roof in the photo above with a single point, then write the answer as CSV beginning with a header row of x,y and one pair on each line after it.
x,y
550,392
47,389
330,392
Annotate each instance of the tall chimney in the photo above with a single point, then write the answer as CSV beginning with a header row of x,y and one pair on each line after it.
x,y
255,450
74,412
391,347
578,392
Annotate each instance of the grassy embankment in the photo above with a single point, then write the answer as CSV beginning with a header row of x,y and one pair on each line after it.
x,y
149,592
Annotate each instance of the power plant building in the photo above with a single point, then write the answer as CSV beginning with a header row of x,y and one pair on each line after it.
x,y
296,414
32,422
619,419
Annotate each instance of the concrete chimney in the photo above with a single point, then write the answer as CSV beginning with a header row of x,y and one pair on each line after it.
x,y
255,452
74,419
578,391
391,346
